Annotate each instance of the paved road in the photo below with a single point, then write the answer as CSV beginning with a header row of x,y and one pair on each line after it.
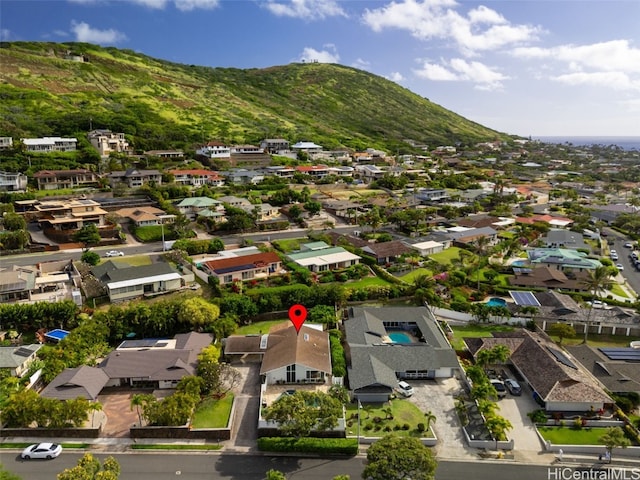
x,y
154,466
630,273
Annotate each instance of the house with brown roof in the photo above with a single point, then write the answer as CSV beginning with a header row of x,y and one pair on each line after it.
x,y
154,363
58,179
386,252
244,267
84,382
144,216
549,278
556,378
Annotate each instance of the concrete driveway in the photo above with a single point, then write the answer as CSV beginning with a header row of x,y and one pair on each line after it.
x,y
247,404
515,409
438,396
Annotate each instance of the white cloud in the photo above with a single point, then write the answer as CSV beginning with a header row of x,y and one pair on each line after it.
x,y
85,33
614,80
329,55
612,56
182,5
361,64
395,77
305,9
481,29
460,70
5,34
60,33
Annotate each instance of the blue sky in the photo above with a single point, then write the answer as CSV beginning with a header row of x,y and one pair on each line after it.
x,y
544,67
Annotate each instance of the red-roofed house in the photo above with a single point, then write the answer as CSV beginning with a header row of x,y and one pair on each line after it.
x,y
551,220
197,177
244,267
314,171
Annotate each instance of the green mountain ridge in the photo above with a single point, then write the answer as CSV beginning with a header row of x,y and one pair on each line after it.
x,y
159,104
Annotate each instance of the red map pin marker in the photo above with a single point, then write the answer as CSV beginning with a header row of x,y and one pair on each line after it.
x,y
297,315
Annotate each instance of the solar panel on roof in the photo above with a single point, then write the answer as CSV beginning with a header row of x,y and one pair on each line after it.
x,y
625,354
23,352
524,298
522,270
562,358
237,268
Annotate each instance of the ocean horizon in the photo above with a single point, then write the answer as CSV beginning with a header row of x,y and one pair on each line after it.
x,y
624,142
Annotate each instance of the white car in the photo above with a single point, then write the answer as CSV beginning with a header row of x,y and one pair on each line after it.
x,y
114,253
41,450
405,389
620,267
499,386
628,245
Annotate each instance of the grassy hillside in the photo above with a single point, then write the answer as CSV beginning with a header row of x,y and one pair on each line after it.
x,y
159,104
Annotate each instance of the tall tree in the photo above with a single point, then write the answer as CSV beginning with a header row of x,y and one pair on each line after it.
x,y
300,413
562,331
399,458
597,282
88,235
614,437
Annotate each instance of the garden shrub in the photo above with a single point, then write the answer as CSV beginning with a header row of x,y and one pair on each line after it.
x,y
346,446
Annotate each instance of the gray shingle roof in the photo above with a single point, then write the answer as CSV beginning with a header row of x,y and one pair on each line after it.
x,y
85,382
10,359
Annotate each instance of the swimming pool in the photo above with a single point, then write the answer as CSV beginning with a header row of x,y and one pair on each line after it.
x,y
56,335
496,302
519,263
400,337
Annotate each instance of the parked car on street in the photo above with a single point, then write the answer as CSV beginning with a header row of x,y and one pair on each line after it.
x,y
620,267
513,387
41,450
114,253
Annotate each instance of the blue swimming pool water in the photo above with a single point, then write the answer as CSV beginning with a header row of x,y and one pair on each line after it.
x,y
519,263
497,302
400,337
58,334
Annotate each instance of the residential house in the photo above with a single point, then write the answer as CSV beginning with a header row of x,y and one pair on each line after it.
x,y
388,344
214,150
342,172
316,172
13,182
107,142
279,171
237,202
79,382
559,238
125,282
16,360
45,282
557,380
428,247
274,145
562,259
320,257
59,179
154,363
6,143
470,236
620,376
66,215
145,216
164,153
192,207
369,173
609,213
246,150
432,195
306,147
49,144
339,239
546,277
551,220
135,178
197,177
263,212
263,265
343,209
243,177
479,221
386,252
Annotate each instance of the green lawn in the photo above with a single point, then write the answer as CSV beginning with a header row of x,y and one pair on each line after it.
x,y
368,282
290,245
411,276
258,328
403,411
617,290
597,341
477,331
135,261
213,413
570,436
446,256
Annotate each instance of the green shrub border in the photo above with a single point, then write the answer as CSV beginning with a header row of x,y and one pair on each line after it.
x,y
335,446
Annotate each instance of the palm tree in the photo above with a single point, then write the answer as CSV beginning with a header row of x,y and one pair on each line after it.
x,y
137,401
429,417
598,281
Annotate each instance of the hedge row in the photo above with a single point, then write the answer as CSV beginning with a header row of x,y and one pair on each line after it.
x,y
338,362
342,446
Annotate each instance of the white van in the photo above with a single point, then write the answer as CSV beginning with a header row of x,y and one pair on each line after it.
x,y
405,389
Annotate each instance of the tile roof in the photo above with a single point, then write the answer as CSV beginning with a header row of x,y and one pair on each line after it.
x,y
245,262
309,347
85,382
394,248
